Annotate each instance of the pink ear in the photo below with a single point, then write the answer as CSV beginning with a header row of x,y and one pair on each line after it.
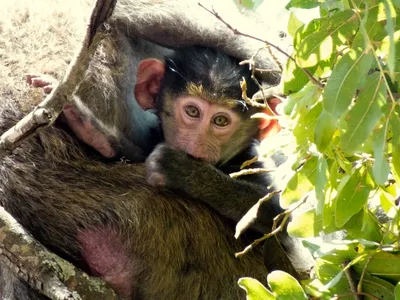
x,y
148,82
269,127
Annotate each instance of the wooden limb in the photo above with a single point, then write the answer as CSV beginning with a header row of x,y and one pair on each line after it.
x,y
237,32
42,270
250,172
277,226
47,111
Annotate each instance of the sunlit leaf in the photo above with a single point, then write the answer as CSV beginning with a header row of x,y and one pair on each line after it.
x,y
314,48
364,225
334,280
320,38
397,291
306,123
302,3
284,286
352,197
381,167
324,130
372,28
294,79
302,101
395,126
326,8
320,182
331,275
249,4
305,225
254,289
344,81
363,116
302,182
390,30
294,24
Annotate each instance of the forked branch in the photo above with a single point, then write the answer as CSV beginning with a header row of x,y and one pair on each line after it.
x,y
47,111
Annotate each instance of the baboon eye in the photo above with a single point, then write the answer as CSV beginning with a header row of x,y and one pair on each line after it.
x,y
221,121
192,111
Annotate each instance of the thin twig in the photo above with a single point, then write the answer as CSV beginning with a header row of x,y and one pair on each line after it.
x,y
359,286
275,228
352,294
243,85
353,287
237,32
49,109
250,172
249,162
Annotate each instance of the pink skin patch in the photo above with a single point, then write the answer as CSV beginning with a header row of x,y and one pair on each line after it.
x,y
86,132
38,81
104,253
83,128
198,132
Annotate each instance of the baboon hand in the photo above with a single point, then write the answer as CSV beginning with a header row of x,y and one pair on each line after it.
x,y
168,167
47,82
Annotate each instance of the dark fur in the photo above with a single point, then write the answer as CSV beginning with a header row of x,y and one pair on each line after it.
x,y
170,247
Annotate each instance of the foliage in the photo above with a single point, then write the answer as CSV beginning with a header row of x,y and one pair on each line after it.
x,y
345,129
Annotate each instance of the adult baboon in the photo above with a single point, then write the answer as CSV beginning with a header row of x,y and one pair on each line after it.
x,y
59,179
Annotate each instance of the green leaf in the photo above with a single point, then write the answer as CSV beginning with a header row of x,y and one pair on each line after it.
x,y
294,24
249,4
390,30
331,274
300,103
324,130
378,287
371,28
305,225
397,288
314,48
317,40
381,167
302,182
364,225
344,81
383,264
352,197
387,200
254,289
285,286
305,126
302,4
364,115
294,78
395,126
320,183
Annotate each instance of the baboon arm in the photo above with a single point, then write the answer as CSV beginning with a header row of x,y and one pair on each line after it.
x,y
229,197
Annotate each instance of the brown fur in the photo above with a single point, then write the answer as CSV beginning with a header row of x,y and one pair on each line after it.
x,y
178,248
173,248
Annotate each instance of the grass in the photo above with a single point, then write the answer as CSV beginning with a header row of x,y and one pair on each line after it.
x,y
37,36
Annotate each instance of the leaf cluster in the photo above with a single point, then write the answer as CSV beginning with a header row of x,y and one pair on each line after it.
x,y
345,132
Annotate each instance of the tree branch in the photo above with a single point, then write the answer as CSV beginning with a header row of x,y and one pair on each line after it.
x,y
47,111
42,270
235,31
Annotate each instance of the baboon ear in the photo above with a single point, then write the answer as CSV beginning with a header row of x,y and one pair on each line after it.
x,y
148,82
269,127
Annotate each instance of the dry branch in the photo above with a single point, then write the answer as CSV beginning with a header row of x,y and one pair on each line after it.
x,y
237,32
42,270
47,111
30,261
